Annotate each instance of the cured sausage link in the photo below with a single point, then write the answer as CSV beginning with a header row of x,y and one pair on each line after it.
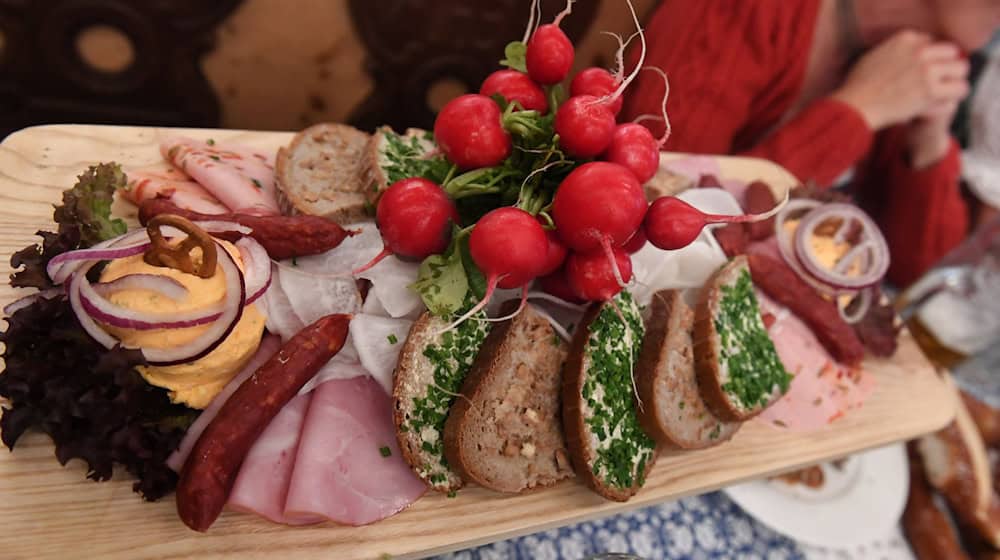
x,y
784,286
211,469
283,237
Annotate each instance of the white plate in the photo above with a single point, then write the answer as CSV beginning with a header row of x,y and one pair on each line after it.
x,y
859,504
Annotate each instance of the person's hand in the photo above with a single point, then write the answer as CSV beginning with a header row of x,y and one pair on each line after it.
x,y
929,135
906,76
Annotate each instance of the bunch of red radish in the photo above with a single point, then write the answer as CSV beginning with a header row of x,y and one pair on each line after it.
x,y
599,210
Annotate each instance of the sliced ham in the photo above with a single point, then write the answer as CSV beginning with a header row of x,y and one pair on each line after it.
x,y
174,186
822,390
268,346
239,177
262,485
348,467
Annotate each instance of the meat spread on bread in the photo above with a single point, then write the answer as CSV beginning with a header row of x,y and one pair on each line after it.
x,y
505,432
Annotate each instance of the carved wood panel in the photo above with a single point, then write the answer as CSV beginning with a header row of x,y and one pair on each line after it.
x,y
44,78
414,44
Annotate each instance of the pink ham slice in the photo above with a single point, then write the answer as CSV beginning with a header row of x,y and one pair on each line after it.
x,y
822,389
268,346
239,177
174,186
349,468
266,472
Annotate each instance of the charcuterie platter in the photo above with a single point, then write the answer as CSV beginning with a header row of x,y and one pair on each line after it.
x,y
51,511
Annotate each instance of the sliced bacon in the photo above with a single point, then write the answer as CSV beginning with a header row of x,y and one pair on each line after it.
x,y
239,177
348,467
262,484
170,185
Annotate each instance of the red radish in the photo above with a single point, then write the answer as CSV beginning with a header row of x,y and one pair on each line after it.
x,y
597,82
585,125
633,146
556,254
414,217
506,243
592,277
556,284
637,242
672,223
470,132
517,87
598,203
549,56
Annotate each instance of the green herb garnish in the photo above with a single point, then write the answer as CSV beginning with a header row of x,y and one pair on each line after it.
x,y
385,451
392,339
754,369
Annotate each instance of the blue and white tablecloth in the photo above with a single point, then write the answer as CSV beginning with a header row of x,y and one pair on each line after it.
x,y
704,527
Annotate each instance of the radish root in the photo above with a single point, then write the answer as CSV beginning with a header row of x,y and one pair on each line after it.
x,y
566,11
638,67
646,117
663,107
491,287
560,330
520,308
531,22
371,264
610,254
748,218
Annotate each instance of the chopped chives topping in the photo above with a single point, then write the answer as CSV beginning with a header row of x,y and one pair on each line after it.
x,y
385,451
392,339
210,142
215,157
257,184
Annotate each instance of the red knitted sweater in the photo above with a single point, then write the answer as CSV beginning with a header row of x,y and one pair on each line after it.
x,y
737,67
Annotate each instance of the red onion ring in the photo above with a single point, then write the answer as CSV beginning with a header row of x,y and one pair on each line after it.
x,y
840,279
232,311
860,310
163,285
256,266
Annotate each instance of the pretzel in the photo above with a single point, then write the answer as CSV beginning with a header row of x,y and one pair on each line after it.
x,y
178,256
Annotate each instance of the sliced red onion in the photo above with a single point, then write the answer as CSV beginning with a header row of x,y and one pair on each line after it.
x,y
229,316
163,285
879,263
62,266
109,313
256,266
21,303
864,301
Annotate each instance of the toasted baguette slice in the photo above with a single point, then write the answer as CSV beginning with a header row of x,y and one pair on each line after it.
x,y
386,154
505,433
429,374
610,451
673,411
319,173
739,372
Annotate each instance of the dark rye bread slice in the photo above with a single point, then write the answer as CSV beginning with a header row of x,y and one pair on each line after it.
x,y
319,173
739,372
431,369
610,451
505,433
673,411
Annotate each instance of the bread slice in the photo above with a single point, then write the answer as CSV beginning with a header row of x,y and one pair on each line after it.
x,y
739,372
667,183
431,369
672,410
505,432
390,157
610,451
319,173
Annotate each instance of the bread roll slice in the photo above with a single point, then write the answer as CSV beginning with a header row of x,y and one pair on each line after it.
x,y
432,367
672,410
390,157
505,431
610,451
739,372
319,173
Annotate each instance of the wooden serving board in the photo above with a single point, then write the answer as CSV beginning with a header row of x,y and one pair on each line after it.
x,y
48,511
